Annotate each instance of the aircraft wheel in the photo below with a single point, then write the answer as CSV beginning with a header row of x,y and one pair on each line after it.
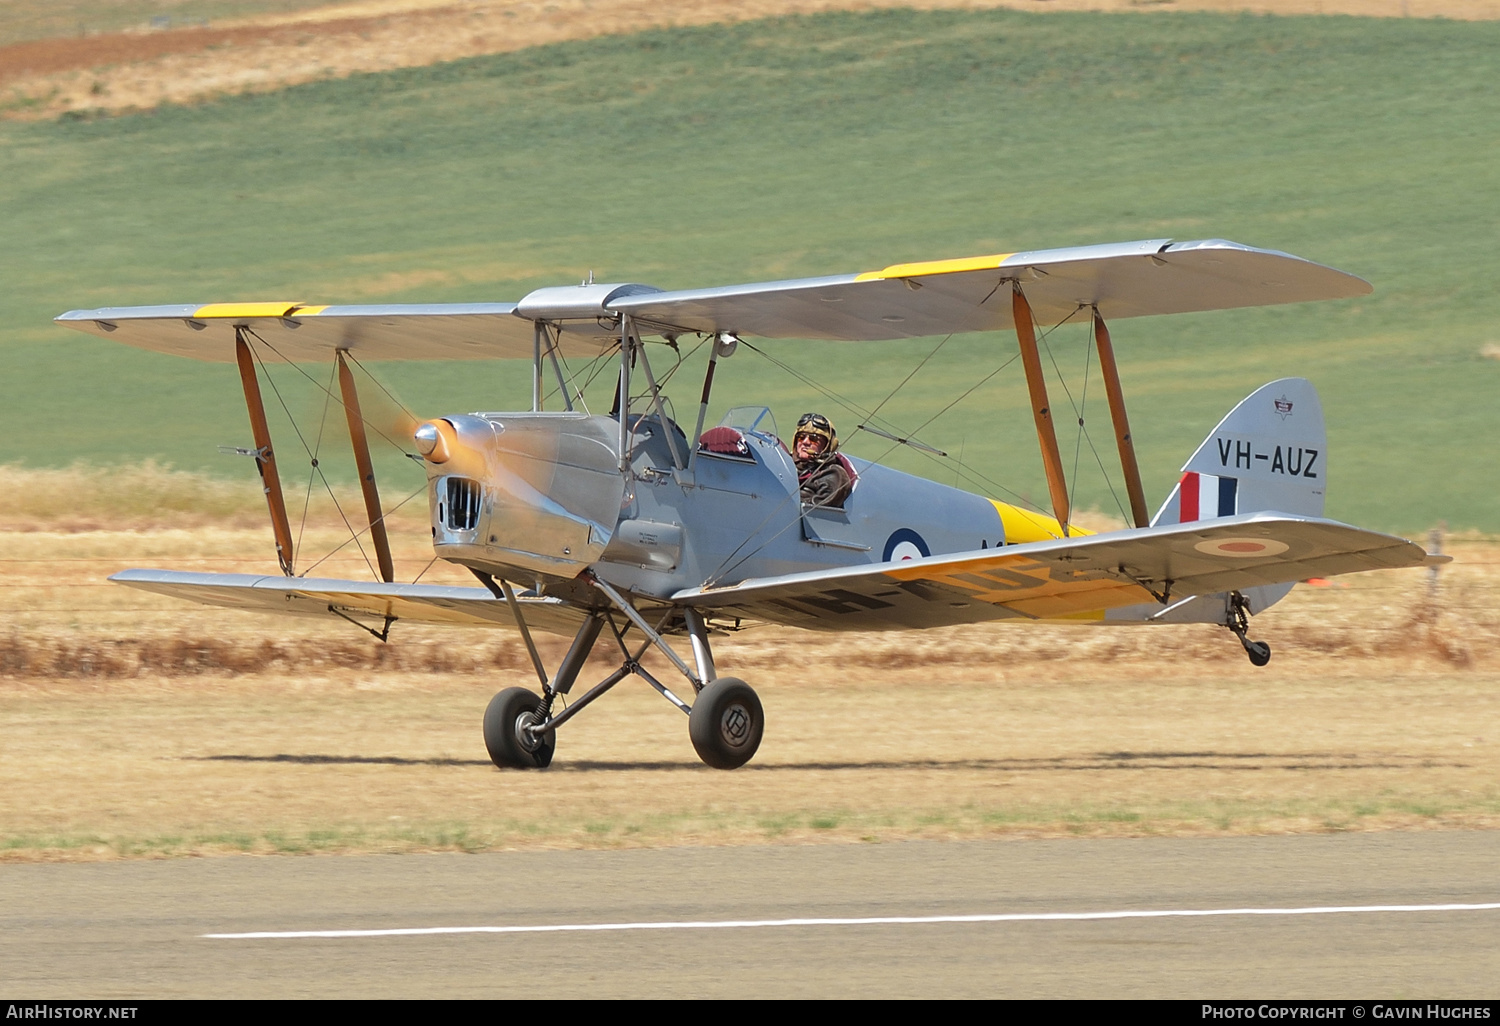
x,y
510,747
1259,652
726,723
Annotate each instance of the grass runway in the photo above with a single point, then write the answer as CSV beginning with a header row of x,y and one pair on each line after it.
x,y
134,726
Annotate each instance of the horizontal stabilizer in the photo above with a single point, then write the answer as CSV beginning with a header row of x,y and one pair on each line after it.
x,y
1066,579
424,603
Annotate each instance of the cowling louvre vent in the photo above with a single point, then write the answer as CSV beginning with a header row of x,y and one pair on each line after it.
x,y
463,504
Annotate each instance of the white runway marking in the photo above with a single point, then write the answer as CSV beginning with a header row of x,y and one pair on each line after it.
x,y
750,924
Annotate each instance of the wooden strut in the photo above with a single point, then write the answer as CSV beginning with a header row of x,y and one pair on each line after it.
x,y
1116,395
265,458
1046,434
361,443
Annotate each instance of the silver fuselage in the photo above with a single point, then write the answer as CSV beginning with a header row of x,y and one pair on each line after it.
x,y
549,500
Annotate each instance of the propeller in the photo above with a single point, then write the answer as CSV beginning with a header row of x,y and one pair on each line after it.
x,y
385,414
388,420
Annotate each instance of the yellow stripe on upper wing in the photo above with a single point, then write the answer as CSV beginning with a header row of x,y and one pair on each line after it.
x,y
926,267
245,310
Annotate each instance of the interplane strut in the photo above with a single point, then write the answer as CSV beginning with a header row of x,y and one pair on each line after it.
x,y
1046,432
265,456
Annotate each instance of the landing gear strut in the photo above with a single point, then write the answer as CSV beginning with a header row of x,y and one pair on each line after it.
x,y
725,721
1237,619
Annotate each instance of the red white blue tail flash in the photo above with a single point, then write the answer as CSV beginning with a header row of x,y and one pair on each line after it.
x,y
1207,495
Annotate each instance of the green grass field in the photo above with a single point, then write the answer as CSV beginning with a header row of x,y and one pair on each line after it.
x,y
805,146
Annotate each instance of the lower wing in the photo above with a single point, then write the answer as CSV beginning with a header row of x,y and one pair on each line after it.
x,y
424,603
1067,579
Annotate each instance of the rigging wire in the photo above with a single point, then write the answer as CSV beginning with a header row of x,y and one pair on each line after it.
x,y
968,473
725,566
848,404
314,460
426,568
1083,405
554,347
354,536
592,369
378,384
1078,411
335,398
963,326
307,498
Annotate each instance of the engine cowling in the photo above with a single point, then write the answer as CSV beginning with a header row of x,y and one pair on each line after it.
x,y
534,492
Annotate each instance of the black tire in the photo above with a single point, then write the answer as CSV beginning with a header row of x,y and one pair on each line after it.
x,y
726,723
509,748
1259,652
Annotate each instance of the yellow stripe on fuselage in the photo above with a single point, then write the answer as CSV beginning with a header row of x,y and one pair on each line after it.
x,y
1022,525
926,267
244,310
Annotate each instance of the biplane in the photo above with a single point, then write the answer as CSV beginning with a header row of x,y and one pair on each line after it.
x,y
577,522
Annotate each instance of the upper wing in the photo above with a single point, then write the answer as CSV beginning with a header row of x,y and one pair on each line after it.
x,y
1067,579
425,603
1126,279
311,334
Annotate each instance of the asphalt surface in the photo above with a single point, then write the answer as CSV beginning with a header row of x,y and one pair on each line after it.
x,y
137,929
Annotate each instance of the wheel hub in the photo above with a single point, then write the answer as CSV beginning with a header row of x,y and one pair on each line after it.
x,y
734,725
525,735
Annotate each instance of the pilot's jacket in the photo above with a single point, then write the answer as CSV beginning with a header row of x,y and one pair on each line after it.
x,y
825,479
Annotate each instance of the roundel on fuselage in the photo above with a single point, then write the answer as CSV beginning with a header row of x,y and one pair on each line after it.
x,y
905,544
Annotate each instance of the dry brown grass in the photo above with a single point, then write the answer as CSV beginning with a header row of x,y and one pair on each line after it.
x,y
132,725
125,70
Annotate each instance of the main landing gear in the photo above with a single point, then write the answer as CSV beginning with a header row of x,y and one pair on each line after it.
x,y
1237,619
725,721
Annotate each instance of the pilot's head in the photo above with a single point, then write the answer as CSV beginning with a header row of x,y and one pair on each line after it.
x,y
815,436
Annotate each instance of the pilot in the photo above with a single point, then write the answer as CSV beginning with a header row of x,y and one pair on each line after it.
x,y
824,475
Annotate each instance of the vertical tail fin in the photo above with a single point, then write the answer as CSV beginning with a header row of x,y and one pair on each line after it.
x,y
1268,453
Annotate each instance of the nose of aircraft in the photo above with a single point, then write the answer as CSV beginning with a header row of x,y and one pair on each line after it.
x,y
549,486
430,441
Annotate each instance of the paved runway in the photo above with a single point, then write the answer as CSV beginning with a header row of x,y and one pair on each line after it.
x,y
138,929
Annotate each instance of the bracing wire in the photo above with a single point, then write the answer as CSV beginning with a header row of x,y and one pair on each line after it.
x,y
334,398
354,535
575,393
1083,405
311,457
424,570
965,472
727,567
848,404
1078,411
307,497
378,384
592,370
934,351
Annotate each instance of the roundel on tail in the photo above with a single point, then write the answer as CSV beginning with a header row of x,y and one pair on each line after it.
x,y
905,544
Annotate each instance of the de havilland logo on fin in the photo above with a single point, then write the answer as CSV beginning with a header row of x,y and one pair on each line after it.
x,y
1283,407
